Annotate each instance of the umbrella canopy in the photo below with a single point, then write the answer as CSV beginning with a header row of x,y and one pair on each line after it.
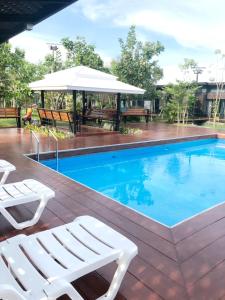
x,y
83,79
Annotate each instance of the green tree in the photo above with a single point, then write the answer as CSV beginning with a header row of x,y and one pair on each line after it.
x,y
181,98
52,63
15,74
137,64
80,53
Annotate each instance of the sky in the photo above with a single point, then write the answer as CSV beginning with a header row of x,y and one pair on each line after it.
x,y
187,29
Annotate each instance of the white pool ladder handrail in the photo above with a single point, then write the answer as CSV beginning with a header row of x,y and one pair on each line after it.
x,y
51,133
33,134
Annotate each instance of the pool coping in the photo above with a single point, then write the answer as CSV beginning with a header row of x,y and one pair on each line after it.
x,y
123,146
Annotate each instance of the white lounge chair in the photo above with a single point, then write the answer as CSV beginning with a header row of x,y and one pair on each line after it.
x,y
23,192
5,168
43,265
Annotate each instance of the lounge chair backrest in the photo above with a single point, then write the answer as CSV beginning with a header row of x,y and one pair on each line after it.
x,y
24,192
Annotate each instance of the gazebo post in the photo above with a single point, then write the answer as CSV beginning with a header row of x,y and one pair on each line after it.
x,y
42,99
84,108
74,112
118,105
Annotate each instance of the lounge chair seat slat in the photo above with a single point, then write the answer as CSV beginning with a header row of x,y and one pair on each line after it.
x,y
106,234
3,194
43,260
22,188
21,267
39,188
74,245
12,190
88,240
6,277
59,252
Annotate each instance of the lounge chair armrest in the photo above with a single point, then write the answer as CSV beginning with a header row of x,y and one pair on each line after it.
x,y
10,293
61,287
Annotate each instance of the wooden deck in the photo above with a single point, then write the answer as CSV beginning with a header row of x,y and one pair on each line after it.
x,y
186,262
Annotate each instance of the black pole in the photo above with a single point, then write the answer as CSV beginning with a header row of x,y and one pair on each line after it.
x,y
84,108
118,104
19,118
42,99
74,112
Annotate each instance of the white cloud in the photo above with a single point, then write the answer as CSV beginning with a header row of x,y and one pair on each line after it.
x,y
36,46
101,9
105,57
191,23
172,73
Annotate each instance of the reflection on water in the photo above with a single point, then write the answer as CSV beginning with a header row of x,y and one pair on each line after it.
x,y
168,183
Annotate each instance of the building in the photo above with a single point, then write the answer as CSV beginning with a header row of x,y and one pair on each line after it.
x,y
207,95
205,98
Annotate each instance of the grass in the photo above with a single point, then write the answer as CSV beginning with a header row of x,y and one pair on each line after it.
x,y
217,125
7,123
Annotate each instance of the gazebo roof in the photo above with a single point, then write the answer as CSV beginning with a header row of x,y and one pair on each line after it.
x,y
84,79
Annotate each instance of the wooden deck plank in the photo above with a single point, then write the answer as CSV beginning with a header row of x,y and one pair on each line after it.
x,y
201,263
210,287
197,223
201,239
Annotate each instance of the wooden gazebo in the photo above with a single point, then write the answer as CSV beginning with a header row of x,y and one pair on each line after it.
x,y
84,79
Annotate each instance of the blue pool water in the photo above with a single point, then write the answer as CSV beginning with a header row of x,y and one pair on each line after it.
x,y
168,183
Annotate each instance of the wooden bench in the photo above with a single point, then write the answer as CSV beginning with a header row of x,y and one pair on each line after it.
x,y
11,113
50,117
100,115
136,112
93,114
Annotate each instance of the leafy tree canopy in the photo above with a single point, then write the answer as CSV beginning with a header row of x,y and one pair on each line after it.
x,y
79,52
137,64
181,99
189,63
52,63
15,74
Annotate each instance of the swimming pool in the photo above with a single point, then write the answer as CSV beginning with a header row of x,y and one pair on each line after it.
x,y
168,183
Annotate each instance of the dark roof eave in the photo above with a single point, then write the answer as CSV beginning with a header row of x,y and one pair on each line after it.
x,y
13,19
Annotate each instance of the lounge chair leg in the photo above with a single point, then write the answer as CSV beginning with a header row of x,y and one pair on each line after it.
x,y
4,177
121,270
28,223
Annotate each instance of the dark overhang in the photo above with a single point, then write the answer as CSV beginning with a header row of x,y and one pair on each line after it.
x,y
15,15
